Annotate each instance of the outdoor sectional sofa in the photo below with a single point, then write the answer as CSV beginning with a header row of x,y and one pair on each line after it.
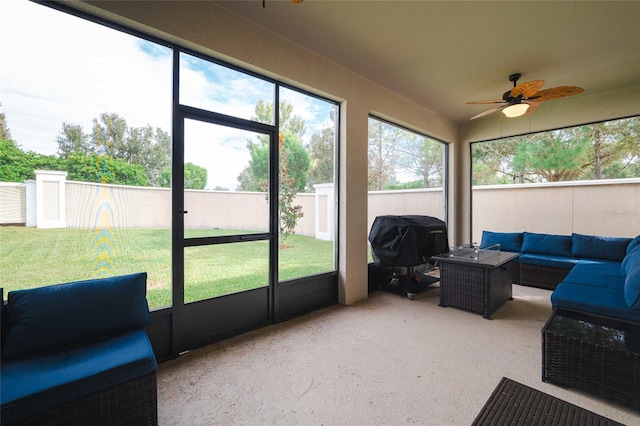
x,y
587,273
77,353
546,259
592,339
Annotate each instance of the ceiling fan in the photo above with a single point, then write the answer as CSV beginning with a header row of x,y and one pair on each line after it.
x,y
526,97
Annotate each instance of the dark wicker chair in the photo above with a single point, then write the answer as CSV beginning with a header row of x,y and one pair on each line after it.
x,y
131,403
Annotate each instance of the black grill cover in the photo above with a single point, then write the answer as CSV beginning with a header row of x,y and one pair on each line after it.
x,y
407,240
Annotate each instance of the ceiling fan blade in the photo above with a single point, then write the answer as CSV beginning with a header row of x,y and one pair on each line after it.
x,y
489,111
556,92
501,101
533,106
528,89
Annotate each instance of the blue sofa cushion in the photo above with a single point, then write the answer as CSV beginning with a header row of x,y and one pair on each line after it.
x,y
554,245
596,247
633,244
35,384
593,299
48,317
509,241
592,274
630,261
632,288
546,260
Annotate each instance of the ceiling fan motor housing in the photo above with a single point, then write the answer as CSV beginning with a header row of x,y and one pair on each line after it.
x,y
508,98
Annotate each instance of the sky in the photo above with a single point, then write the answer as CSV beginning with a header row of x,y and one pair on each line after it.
x,y
62,69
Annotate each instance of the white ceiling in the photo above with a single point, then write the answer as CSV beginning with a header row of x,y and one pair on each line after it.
x,y
443,53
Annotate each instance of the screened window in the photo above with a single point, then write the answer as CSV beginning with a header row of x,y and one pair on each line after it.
x,y
580,179
214,87
85,149
407,172
307,184
93,115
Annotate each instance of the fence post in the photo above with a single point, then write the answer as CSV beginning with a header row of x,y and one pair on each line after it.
x,y
50,199
325,211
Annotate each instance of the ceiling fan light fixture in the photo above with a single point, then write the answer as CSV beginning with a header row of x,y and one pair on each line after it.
x,y
515,110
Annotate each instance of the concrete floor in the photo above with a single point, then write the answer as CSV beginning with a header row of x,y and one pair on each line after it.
x,y
387,360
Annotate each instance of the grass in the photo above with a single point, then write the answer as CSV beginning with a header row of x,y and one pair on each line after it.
x,y
31,257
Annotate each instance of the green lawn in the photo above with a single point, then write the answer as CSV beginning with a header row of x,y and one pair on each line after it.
x,y
31,257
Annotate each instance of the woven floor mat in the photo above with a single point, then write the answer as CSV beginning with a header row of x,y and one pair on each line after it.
x,y
513,403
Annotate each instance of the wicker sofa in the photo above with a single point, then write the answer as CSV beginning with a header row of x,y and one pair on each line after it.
x,y
546,259
592,339
77,353
610,289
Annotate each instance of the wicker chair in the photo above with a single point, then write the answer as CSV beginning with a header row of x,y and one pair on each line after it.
x,y
78,354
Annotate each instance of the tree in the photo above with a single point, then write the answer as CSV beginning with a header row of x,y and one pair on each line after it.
x,y
402,159
17,165
195,177
151,148
553,156
73,139
616,148
258,169
596,151
382,145
5,133
492,162
110,136
422,158
297,163
144,146
293,128
321,158
247,181
293,163
288,188
289,123
103,169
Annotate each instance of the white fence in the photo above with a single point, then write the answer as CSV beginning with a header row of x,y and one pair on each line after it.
x,y
601,207
610,207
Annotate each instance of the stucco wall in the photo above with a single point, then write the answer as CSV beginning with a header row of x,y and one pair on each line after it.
x,y
609,208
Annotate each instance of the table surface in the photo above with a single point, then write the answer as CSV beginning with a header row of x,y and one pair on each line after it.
x,y
490,259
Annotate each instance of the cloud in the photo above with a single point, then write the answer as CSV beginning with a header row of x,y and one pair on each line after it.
x,y
58,68
221,150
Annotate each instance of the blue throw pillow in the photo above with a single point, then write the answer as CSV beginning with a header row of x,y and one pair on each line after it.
x,y
554,245
48,317
509,241
632,289
596,247
630,261
633,244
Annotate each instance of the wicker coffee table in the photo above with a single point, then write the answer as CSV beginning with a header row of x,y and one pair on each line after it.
x,y
479,284
595,354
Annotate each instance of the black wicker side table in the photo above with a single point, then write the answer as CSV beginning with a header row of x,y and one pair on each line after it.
x,y
480,284
598,355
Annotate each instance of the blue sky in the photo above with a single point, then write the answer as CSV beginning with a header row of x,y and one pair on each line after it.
x,y
59,68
